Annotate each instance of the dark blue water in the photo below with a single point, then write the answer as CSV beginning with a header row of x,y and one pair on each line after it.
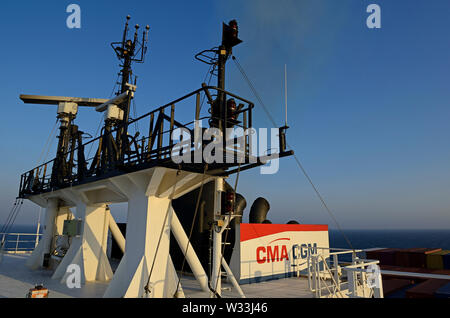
x,y
362,239
24,228
26,243
359,239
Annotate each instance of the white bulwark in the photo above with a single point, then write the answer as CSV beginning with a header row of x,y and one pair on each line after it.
x,y
271,251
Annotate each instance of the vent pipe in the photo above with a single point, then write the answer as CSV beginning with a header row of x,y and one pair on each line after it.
x,y
258,211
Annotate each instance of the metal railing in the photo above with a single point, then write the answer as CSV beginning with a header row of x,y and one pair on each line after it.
x,y
319,273
364,279
415,275
152,148
19,243
331,278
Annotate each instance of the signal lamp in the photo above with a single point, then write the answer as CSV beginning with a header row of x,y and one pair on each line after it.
x,y
228,202
231,109
230,35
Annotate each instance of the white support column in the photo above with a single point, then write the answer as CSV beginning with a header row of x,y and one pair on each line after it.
x,y
221,223
88,250
218,228
146,257
217,255
148,193
189,253
145,222
147,239
116,233
37,257
232,278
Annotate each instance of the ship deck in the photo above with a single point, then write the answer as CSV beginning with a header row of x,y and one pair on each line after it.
x,y
16,279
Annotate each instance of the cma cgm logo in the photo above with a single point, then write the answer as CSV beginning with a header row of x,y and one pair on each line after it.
x,y
302,250
279,253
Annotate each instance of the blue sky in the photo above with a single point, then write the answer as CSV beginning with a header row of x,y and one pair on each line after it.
x,y
368,109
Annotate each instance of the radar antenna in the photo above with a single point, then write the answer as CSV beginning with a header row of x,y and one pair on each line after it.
x,y
129,50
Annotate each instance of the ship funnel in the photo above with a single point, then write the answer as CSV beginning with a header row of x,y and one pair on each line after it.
x,y
259,210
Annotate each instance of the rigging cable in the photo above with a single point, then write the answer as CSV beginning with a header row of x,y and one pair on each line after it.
x,y
54,136
102,119
20,203
211,72
252,88
147,285
136,125
10,220
48,143
197,204
227,228
295,156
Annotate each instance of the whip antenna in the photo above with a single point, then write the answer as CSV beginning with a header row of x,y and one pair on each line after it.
x,y
285,94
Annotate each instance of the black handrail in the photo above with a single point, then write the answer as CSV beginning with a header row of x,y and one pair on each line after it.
x,y
32,183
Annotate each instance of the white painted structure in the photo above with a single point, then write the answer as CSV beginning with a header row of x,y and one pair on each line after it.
x,y
149,222
270,251
359,279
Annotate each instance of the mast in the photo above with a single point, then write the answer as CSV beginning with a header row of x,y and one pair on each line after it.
x,y
229,40
127,51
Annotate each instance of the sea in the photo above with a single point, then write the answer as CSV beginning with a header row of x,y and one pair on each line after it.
x,y
19,242
348,238
389,238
